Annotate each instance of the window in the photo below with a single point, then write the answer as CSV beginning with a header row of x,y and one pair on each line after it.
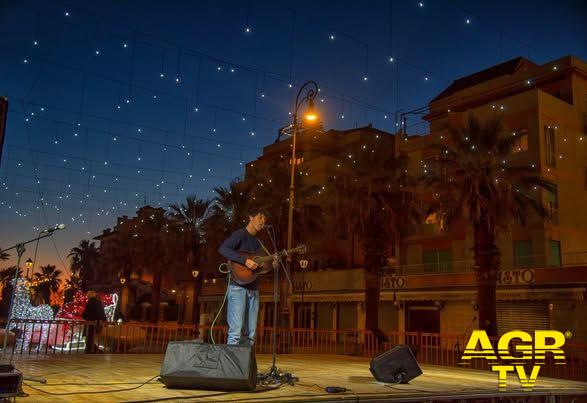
x,y
552,204
433,224
554,257
521,142
437,261
523,254
549,139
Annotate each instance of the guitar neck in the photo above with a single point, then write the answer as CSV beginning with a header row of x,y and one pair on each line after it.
x,y
268,258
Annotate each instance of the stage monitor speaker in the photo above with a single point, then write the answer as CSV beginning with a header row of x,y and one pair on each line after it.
x,y
10,381
196,365
3,115
397,365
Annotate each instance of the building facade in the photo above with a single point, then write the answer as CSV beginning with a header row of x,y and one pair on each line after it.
x,y
430,284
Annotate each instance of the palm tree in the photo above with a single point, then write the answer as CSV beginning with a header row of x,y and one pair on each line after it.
x,y
370,197
4,255
6,277
231,205
154,247
72,285
271,192
480,184
85,259
46,282
191,217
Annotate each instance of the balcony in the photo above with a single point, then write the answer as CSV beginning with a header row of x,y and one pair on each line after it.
x,y
459,266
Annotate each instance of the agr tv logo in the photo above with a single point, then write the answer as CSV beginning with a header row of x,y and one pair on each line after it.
x,y
544,341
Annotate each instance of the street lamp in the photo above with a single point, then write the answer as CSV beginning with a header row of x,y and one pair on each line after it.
x,y
309,90
29,265
195,307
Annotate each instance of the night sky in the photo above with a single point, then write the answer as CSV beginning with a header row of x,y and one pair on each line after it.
x,y
118,105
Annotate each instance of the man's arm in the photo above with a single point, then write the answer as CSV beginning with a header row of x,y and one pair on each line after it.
x,y
229,247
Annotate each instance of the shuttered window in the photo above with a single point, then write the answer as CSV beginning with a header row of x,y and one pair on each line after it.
x,y
521,315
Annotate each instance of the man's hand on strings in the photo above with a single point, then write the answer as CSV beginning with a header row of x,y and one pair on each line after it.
x,y
251,264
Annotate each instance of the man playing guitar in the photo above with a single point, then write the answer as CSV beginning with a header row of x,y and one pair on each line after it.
x,y
243,299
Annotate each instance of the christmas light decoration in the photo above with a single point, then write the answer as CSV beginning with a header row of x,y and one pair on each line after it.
x,y
23,309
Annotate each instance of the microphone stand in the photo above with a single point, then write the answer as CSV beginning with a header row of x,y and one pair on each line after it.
x,y
20,249
274,375
458,343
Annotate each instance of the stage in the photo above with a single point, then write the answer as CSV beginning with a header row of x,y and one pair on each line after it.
x,y
72,374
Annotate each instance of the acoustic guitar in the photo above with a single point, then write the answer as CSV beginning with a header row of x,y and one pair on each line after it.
x,y
242,275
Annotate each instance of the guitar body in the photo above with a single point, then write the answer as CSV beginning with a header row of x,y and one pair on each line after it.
x,y
242,275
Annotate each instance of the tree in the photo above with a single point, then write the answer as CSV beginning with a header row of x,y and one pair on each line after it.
x,y
85,260
72,285
478,181
271,192
6,277
153,247
190,217
45,283
370,198
231,205
4,255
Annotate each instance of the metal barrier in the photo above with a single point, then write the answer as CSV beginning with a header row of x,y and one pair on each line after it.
x,y
62,337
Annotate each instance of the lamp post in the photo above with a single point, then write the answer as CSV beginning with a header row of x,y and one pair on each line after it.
x,y
309,91
29,265
195,307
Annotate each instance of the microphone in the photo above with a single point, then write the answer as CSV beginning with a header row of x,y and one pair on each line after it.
x,y
53,229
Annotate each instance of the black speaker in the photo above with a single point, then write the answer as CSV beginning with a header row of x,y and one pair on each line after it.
x,y
10,381
195,365
397,365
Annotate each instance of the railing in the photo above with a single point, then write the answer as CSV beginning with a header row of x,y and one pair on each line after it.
x,y
68,337
532,261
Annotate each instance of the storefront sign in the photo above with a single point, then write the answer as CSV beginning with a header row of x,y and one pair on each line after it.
x,y
302,285
392,282
517,276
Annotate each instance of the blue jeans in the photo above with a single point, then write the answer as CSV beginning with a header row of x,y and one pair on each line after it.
x,y
243,305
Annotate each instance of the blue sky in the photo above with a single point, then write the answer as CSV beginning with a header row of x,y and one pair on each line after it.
x,y
145,101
